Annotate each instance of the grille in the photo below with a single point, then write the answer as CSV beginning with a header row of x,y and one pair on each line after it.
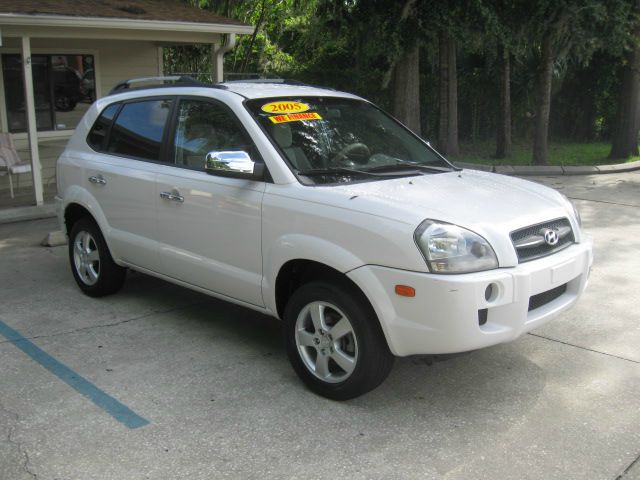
x,y
541,299
530,241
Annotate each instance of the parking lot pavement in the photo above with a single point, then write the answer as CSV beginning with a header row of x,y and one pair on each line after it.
x,y
221,401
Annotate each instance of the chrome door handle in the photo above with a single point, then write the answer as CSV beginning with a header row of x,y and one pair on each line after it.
x,y
97,179
173,196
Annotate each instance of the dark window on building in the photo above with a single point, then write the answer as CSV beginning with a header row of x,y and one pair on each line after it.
x,y
138,129
98,133
63,87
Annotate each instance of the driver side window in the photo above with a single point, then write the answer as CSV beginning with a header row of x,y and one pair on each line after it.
x,y
204,126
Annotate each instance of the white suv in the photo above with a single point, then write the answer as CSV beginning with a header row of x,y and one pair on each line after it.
x,y
318,208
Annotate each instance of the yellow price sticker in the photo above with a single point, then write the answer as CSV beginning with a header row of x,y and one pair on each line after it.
x,y
295,117
285,107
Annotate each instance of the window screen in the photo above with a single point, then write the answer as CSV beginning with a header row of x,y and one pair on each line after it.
x,y
138,129
99,131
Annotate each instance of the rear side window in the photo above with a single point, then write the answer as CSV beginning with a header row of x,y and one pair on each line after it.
x,y
138,129
98,134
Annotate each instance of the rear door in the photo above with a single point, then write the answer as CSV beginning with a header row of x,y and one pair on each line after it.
x,y
121,175
210,226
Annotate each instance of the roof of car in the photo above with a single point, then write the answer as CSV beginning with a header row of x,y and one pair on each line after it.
x,y
248,88
266,89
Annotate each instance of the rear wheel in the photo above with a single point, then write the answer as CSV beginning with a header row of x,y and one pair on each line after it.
x,y
334,341
93,267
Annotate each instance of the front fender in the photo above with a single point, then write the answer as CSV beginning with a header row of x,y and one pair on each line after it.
x,y
302,247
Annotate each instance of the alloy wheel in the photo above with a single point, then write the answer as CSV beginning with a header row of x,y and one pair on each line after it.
x,y
86,258
326,342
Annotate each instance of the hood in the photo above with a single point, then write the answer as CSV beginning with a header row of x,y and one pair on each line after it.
x,y
465,198
489,204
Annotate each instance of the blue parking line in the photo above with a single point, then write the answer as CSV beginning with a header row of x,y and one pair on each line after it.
x,y
113,407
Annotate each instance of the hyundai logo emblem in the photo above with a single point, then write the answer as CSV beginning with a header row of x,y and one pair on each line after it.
x,y
550,236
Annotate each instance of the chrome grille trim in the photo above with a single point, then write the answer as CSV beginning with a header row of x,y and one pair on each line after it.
x,y
530,243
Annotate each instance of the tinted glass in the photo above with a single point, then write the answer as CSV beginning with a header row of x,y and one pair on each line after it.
x,y
345,138
138,129
62,94
99,131
204,127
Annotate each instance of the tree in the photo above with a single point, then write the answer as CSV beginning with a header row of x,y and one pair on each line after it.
x,y
450,69
566,31
406,70
504,25
406,89
448,130
543,100
625,138
503,129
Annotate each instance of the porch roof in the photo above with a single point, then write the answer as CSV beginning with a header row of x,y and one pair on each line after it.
x,y
167,15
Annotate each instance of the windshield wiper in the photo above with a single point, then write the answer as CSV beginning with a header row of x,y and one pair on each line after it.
x,y
411,166
349,171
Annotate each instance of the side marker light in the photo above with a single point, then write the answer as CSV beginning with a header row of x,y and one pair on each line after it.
x,y
405,291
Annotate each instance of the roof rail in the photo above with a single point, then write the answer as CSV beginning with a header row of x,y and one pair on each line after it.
x,y
281,81
284,81
176,80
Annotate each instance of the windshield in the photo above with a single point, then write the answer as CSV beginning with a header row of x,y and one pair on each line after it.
x,y
338,140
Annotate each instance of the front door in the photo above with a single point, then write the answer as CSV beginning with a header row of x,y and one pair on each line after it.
x,y
209,226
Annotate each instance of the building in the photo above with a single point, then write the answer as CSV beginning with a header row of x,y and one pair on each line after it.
x,y
57,56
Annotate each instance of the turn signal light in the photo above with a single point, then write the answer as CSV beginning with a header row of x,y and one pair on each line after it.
x,y
405,291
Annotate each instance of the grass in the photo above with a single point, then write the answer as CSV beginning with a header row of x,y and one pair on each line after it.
x,y
559,154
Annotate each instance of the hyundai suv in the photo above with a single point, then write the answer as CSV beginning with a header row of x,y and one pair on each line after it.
x,y
316,207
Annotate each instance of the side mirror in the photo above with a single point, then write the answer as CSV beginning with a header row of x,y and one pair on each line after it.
x,y
236,164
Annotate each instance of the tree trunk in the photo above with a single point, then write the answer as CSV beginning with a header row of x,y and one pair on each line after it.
x,y
453,148
474,120
503,140
406,90
625,137
249,53
543,103
443,123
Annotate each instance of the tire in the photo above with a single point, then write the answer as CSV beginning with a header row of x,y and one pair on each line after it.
x,y
336,360
93,267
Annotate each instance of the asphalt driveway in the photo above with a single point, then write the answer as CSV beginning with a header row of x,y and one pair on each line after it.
x,y
211,395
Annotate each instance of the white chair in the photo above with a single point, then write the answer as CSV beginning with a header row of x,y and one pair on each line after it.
x,y
10,160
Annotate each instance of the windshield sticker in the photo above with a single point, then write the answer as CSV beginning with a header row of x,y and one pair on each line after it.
x,y
295,117
285,107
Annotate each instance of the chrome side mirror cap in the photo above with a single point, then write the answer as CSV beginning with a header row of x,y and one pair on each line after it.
x,y
237,164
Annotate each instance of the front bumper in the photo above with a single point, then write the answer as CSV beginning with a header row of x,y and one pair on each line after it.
x,y
445,316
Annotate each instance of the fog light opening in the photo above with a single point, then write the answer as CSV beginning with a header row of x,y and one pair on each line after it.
x,y
491,292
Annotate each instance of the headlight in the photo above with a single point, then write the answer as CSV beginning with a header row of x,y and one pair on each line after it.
x,y
448,248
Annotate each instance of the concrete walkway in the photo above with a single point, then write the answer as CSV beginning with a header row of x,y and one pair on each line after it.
x,y
533,170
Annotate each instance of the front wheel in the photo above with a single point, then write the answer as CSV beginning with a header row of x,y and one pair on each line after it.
x,y
93,268
334,341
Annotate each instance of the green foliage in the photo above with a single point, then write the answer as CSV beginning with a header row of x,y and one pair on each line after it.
x,y
353,45
560,153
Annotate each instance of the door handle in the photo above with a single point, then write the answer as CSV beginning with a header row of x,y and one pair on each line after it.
x,y
174,196
97,179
